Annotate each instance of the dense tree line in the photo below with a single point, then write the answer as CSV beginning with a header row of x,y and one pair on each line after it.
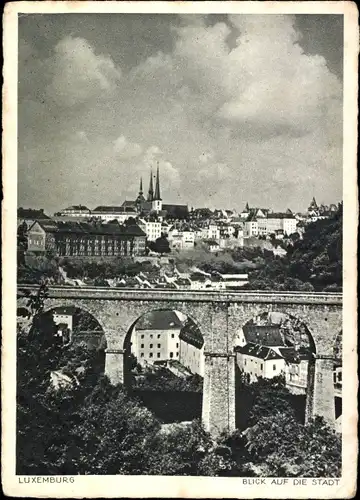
x,y
164,380
35,268
312,263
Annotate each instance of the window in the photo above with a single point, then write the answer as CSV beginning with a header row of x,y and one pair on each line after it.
x,y
158,335
142,346
171,355
172,335
245,362
142,336
339,376
261,366
150,355
177,354
177,344
159,345
274,367
141,355
158,355
151,335
150,345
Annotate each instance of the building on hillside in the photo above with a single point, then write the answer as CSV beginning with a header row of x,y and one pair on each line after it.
x,y
317,212
275,222
41,236
251,228
30,215
191,353
256,360
175,211
212,245
181,239
232,281
151,227
81,239
199,281
110,213
76,211
296,373
64,315
63,318
155,337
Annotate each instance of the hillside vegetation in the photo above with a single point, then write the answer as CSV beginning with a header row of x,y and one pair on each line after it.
x,y
313,263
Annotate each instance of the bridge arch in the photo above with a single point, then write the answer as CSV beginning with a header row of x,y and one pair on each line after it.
x,y
218,316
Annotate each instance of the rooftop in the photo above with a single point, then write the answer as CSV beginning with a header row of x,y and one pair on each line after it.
x,y
90,228
31,213
159,320
191,334
258,351
267,335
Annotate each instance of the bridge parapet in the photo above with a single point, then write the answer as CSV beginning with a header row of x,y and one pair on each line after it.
x,y
253,296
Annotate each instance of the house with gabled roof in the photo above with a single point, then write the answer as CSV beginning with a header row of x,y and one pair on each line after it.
x,y
155,336
257,360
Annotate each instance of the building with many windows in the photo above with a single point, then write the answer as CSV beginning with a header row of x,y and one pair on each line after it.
x,y
155,337
151,227
81,239
76,211
110,213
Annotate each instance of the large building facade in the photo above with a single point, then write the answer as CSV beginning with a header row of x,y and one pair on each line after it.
x,y
155,337
74,239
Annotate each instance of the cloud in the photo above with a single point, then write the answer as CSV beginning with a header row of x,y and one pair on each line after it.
x,y
78,74
125,149
169,175
256,120
266,83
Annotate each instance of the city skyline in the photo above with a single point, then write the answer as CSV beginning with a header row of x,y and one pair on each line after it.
x,y
227,120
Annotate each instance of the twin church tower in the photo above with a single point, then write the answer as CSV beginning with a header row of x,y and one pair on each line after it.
x,y
153,201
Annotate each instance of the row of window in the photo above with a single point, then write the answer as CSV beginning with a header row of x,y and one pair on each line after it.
x,y
142,346
36,242
261,364
158,355
158,336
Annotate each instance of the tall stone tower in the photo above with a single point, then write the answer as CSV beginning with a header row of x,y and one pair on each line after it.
x,y
157,202
151,188
140,199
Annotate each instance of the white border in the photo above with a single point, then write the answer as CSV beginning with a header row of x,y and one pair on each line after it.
x,y
181,487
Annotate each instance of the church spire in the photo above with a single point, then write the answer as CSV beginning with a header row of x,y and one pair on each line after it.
x,y
141,187
157,186
151,188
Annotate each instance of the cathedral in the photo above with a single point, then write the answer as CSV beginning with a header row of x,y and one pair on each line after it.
x,y
153,203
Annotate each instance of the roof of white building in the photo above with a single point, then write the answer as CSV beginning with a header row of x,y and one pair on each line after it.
x,y
259,351
159,320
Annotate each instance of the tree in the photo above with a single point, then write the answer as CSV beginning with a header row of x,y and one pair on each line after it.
x,y
22,242
162,245
281,446
187,450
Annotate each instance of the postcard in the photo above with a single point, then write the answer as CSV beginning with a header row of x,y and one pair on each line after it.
x,y
179,249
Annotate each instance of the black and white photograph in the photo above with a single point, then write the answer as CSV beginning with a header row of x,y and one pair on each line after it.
x,y
182,279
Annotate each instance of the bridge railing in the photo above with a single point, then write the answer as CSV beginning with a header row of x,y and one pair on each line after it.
x,y
114,293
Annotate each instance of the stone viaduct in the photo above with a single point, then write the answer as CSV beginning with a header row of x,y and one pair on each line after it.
x,y
218,315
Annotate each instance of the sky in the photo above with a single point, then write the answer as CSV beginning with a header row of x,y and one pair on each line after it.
x,y
233,108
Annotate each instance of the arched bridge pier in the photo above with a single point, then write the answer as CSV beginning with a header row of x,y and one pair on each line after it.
x,y
218,316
